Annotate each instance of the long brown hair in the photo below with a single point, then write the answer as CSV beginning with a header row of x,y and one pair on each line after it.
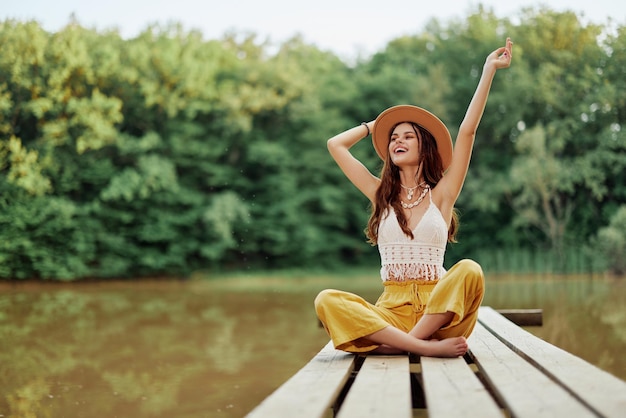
x,y
388,192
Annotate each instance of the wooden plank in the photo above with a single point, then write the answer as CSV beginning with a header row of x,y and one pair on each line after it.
x,y
453,391
603,392
312,390
523,317
382,388
521,388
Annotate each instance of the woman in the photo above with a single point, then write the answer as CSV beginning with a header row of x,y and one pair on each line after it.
x,y
423,309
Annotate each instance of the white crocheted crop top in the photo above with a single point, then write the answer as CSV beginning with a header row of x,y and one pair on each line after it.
x,y
420,258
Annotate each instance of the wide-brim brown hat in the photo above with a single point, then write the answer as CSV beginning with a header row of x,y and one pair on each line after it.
x,y
407,113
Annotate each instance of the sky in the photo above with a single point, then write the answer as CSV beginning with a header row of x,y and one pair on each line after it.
x,y
346,27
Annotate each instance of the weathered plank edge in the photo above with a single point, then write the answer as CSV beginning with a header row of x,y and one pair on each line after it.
x,y
523,317
447,379
329,380
604,393
385,382
521,388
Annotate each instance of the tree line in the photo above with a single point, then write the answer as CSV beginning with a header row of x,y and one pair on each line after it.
x,y
169,153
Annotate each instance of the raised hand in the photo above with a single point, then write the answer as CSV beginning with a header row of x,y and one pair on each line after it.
x,y
501,57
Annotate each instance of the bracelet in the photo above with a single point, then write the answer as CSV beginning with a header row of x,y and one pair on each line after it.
x,y
366,127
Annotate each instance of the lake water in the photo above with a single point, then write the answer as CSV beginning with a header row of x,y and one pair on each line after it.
x,y
216,348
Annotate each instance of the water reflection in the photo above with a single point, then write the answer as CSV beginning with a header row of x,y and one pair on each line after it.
x,y
147,349
207,349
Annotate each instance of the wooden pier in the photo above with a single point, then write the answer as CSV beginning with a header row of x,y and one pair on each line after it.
x,y
507,372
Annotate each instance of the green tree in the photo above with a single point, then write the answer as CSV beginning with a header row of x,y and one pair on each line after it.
x,y
167,153
611,241
541,185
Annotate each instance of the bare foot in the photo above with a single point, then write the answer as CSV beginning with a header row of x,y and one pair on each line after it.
x,y
450,347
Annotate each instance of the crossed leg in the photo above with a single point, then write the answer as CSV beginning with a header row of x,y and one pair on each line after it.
x,y
395,341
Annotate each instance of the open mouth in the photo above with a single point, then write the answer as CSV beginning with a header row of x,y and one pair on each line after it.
x,y
400,150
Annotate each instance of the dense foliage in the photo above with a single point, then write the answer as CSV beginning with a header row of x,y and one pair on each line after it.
x,y
168,153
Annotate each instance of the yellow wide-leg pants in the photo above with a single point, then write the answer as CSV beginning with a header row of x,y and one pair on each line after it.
x,y
348,318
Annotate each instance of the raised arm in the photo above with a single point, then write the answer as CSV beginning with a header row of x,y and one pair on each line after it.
x,y
339,147
454,178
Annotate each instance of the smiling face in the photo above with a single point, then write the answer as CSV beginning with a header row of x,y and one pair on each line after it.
x,y
404,145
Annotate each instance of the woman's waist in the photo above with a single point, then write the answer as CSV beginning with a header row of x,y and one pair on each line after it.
x,y
409,285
